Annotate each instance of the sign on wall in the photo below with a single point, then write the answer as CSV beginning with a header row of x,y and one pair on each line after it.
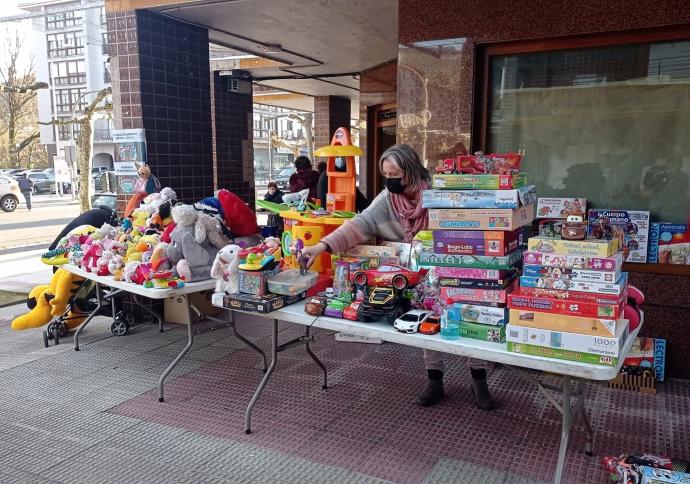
x,y
130,148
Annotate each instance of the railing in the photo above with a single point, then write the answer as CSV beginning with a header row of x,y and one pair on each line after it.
x,y
66,51
71,79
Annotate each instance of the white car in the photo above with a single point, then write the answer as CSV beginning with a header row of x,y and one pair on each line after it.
x,y
410,321
9,194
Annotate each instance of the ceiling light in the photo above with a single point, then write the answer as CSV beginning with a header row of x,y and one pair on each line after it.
x,y
272,48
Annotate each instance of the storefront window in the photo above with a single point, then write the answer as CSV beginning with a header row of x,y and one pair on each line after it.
x,y
607,123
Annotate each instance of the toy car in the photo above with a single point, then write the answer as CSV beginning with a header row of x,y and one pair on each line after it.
x,y
315,306
432,325
410,321
335,308
383,303
574,228
389,276
350,312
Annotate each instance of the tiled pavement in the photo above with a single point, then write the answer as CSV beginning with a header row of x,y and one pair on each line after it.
x,y
93,416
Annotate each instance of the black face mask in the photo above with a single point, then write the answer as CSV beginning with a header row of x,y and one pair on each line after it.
x,y
394,185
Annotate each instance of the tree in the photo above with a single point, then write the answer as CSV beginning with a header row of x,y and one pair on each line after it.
x,y
19,109
84,142
306,121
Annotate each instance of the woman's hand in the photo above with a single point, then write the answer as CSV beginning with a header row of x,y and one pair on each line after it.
x,y
312,252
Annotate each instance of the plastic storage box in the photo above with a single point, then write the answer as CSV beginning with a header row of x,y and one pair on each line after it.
x,y
291,282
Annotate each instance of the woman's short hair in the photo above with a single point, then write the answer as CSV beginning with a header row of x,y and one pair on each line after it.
x,y
302,163
272,185
408,160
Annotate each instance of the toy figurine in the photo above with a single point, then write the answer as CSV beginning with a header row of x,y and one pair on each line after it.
x,y
297,200
574,228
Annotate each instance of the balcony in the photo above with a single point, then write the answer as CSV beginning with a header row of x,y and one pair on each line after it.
x,y
66,52
69,80
102,135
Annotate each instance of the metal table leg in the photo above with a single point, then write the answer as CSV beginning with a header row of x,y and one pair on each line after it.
x,y
566,422
245,340
89,318
190,341
317,361
150,311
257,394
580,408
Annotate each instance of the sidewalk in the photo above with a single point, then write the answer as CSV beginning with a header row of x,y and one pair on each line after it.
x,y
93,416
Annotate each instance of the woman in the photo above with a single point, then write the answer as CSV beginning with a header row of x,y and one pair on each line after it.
x,y
304,177
396,214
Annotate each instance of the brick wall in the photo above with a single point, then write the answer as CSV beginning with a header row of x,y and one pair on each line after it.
x,y
330,113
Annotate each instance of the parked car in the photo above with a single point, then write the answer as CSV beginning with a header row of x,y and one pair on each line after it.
x,y
283,178
49,171
13,171
107,199
9,194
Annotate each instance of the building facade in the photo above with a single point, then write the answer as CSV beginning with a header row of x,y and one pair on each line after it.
x,y
70,53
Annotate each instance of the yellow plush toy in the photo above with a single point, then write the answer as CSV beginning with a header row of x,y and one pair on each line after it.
x,y
48,301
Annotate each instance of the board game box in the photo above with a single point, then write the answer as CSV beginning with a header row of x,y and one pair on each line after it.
x,y
479,198
582,248
575,295
476,242
476,283
596,345
259,304
568,324
484,182
475,313
481,219
492,334
505,262
616,288
568,307
462,294
647,353
630,228
669,244
571,274
464,273
561,354
614,262
561,207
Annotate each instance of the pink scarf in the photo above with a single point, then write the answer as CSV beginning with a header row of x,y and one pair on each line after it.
x,y
411,215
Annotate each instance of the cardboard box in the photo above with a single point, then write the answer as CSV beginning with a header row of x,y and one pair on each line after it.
x,y
254,282
648,353
473,242
561,207
484,182
645,384
669,244
476,283
470,261
614,262
630,228
568,324
371,251
561,354
474,313
589,297
492,334
481,219
465,273
570,274
479,198
176,308
568,307
595,345
259,304
616,288
651,475
461,294
583,248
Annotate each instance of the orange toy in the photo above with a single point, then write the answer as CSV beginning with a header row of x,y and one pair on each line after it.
x,y
340,169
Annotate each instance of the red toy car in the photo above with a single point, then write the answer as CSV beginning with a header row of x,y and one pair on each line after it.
x,y
432,325
389,276
350,312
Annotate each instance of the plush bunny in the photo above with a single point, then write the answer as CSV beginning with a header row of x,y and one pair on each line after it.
x,y
225,269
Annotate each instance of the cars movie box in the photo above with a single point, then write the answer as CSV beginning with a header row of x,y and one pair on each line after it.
x,y
596,345
583,248
561,207
669,244
566,307
616,289
611,263
571,274
484,182
470,261
481,219
479,198
476,242
631,228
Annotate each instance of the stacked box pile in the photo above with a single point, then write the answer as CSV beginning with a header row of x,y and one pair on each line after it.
x,y
570,301
476,222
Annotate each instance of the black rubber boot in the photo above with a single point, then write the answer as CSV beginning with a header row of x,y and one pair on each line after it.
x,y
433,393
480,390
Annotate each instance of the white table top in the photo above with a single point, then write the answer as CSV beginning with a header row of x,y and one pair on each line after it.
x,y
141,290
472,348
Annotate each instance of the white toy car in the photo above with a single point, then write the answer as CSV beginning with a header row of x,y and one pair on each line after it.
x,y
410,321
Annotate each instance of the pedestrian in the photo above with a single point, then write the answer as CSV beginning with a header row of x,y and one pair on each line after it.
x,y
25,186
276,196
396,214
304,177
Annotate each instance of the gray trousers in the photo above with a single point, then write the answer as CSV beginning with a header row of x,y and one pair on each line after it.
x,y
434,361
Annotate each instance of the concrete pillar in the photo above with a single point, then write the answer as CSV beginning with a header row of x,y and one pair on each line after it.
x,y
161,82
233,135
330,113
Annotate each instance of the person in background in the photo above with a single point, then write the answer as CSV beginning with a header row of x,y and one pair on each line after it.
x,y
321,167
25,186
304,177
276,196
396,214
322,185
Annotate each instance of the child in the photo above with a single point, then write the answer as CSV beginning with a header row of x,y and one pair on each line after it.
x,y
276,196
